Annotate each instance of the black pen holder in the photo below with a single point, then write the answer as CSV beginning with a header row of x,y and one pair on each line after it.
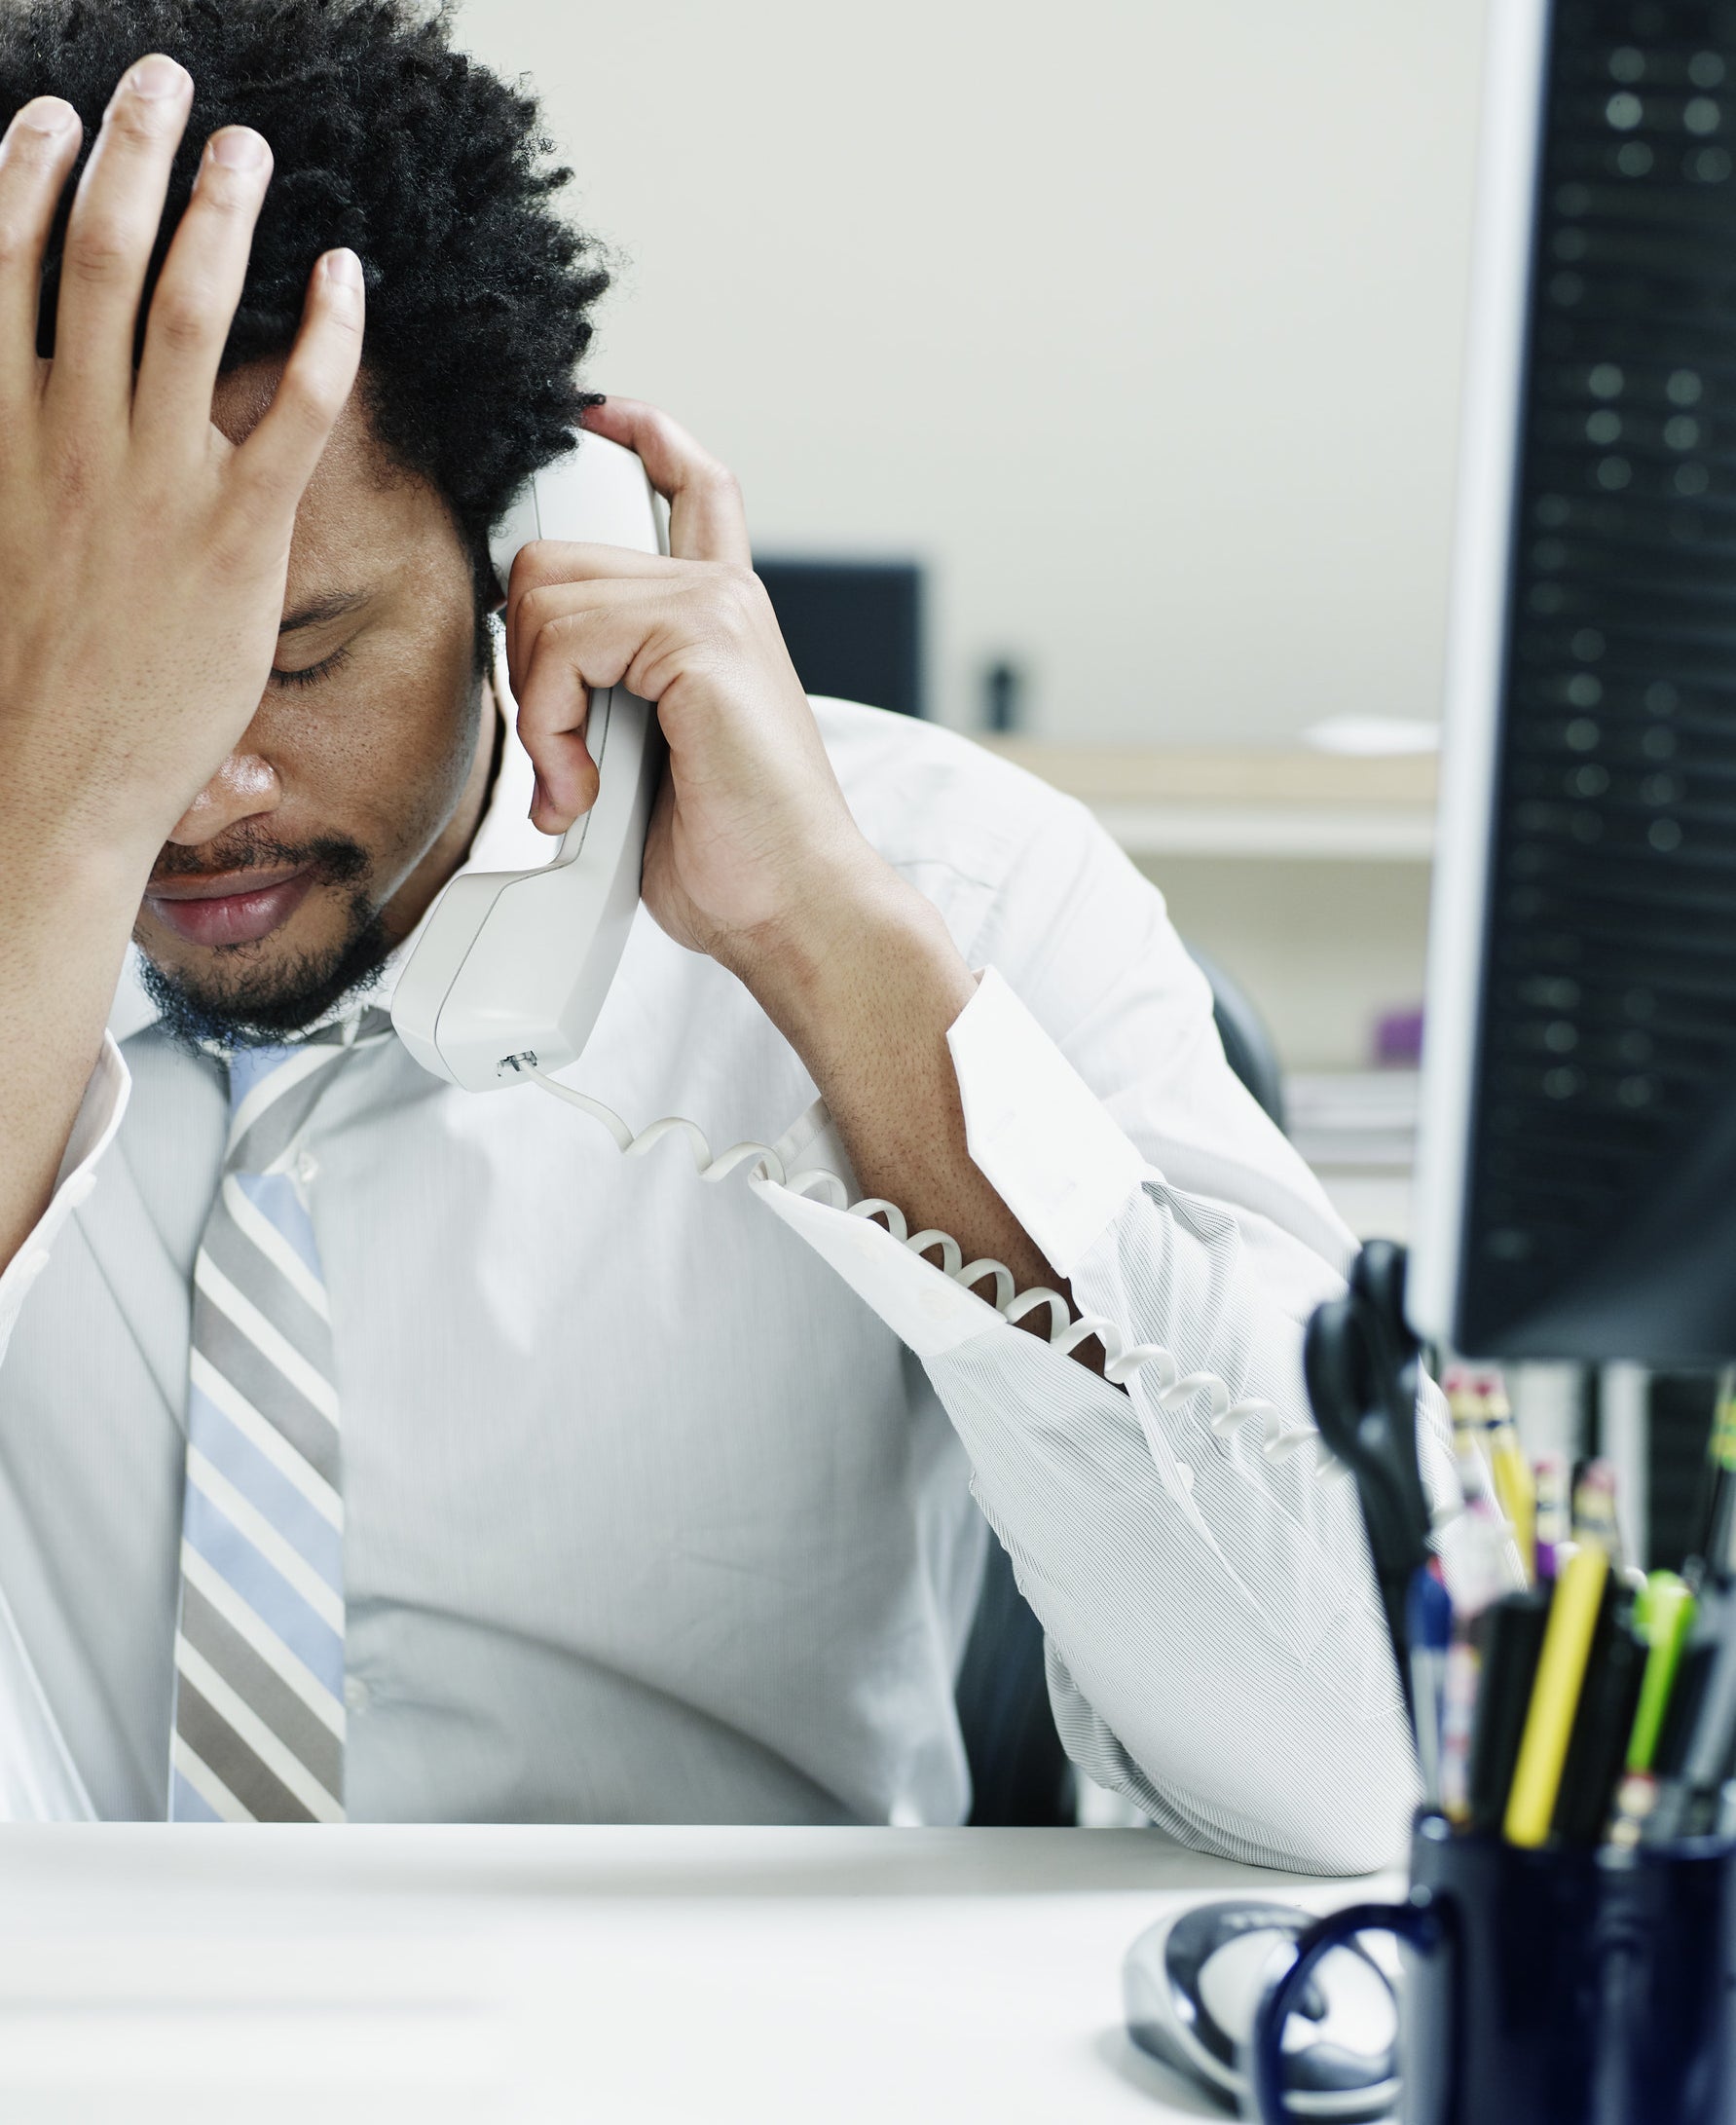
x,y
1548,1988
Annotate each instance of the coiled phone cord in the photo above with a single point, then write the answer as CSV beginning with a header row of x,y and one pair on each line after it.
x,y
1066,1332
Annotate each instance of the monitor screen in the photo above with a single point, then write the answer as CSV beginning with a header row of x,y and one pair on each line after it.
x,y
1577,1165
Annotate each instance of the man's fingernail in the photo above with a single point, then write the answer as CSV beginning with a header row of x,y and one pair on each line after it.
x,y
156,77
238,147
49,114
344,268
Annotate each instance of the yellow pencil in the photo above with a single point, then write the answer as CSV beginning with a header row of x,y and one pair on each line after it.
x,y
1555,1695
1515,1486
1516,1491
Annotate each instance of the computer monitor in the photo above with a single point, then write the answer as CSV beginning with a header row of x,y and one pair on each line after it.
x,y
853,629
1576,1185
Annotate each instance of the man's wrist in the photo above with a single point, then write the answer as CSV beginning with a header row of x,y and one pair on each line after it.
x,y
867,950
61,863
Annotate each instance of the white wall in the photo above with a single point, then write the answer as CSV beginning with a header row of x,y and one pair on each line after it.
x,y
1138,320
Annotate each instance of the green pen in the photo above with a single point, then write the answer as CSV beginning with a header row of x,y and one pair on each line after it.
x,y
1663,1615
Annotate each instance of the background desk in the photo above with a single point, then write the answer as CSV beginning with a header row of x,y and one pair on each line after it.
x,y
609,1974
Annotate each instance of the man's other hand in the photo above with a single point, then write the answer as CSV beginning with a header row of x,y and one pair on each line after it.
x,y
752,846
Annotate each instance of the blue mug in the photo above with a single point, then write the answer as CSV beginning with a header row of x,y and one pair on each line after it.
x,y
1546,1988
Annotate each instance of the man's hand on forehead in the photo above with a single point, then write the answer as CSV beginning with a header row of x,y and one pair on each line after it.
x,y
144,555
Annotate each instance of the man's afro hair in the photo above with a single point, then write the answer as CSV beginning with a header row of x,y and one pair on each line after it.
x,y
385,139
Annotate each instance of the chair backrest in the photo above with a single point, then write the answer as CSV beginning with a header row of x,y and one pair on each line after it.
x,y
1248,1046
1019,1774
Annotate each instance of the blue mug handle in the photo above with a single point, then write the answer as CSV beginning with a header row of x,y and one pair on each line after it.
x,y
1417,1922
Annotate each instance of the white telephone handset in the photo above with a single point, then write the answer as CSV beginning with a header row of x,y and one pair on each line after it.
x,y
514,965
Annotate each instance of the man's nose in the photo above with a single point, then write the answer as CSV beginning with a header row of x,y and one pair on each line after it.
x,y
245,787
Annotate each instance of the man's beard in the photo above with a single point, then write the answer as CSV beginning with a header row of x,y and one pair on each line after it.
x,y
235,1003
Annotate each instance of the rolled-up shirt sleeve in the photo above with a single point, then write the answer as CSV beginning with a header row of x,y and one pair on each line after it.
x,y
1217,1650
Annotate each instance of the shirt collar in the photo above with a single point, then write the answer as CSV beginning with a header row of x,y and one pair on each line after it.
x,y
505,841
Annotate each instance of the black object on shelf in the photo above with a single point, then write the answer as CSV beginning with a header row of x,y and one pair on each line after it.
x,y
853,628
1002,696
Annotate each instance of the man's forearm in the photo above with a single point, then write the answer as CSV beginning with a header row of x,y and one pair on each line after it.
x,y
64,922
866,993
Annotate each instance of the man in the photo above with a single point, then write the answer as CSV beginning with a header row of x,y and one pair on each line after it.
x,y
654,1500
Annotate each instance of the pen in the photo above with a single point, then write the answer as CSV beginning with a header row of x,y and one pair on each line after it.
x,y
1686,1804
1681,1714
1464,1405
1512,1642
1514,1486
1480,1580
1428,1624
1663,1615
1717,1522
1593,1510
1604,1723
1574,1611
1554,1521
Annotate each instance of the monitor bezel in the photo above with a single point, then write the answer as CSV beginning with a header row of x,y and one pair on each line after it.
x,y
1479,622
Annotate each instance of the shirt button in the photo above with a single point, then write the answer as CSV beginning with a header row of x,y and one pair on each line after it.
x,y
357,1694
306,1165
80,1189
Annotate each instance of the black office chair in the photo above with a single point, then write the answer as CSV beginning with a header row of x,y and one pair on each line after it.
x,y
1248,1046
1021,1776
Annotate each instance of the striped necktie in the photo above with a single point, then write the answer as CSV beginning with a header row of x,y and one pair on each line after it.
x,y
259,1639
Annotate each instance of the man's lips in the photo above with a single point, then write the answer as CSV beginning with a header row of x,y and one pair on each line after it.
x,y
223,910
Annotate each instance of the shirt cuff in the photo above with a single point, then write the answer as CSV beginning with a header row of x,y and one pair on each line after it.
x,y
1037,1132
1039,1135
92,1132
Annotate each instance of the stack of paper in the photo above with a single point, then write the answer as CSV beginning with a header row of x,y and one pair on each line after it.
x,y
1360,1120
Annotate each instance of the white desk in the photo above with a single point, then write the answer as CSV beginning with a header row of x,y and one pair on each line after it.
x,y
580,1974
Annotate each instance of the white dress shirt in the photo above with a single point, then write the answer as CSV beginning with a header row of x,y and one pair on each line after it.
x,y
659,1495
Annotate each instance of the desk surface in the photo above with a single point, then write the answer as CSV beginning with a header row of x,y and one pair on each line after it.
x,y
632,1974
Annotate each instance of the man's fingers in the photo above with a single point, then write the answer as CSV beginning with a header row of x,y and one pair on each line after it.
x,y
195,295
115,218
551,577
585,637
274,465
707,521
38,150
554,702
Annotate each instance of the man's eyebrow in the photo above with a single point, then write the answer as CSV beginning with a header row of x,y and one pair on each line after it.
x,y
318,610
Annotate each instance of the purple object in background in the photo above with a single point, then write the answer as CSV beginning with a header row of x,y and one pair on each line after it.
x,y
1398,1040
